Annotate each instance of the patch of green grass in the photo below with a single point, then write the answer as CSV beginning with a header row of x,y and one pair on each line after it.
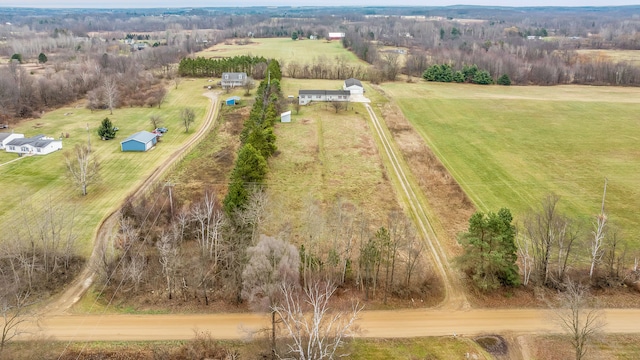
x,y
511,146
302,51
419,348
40,180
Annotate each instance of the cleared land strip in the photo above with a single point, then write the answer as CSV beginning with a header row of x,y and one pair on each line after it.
x,y
455,297
77,288
374,324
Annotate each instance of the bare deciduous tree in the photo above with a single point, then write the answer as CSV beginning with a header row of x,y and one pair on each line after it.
x,y
315,330
13,308
552,236
156,121
273,264
83,169
188,116
209,220
597,241
168,249
582,324
110,92
248,85
337,105
526,259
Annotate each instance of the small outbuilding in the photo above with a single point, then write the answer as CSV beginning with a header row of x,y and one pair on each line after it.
x,y
140,141
354,86
285,117
233,100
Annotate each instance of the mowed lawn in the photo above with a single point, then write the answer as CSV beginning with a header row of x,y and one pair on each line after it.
x,y
511,146
285,50
323,157
37,181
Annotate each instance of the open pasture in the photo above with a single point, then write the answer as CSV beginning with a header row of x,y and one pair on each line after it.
x,y
630,56
285,50
40,180
511,146
323,157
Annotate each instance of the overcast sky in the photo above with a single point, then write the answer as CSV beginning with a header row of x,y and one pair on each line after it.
x,y
214,3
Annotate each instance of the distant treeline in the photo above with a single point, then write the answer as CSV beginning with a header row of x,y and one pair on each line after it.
x,y
203,67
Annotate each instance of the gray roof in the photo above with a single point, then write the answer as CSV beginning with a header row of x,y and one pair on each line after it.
x,y
324,92
4,136
141,136
352,81
231,76
29,141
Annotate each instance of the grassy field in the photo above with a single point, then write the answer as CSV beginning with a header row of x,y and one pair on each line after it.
x,y
285,50
324,156
38,180
419,348
631,56
511,146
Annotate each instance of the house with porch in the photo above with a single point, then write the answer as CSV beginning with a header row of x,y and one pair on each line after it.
x,y
233,79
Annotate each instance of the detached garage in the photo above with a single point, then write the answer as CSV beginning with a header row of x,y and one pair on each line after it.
x,y
140,141
354,86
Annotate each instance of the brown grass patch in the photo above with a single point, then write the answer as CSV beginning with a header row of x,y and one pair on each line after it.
x,y
447,199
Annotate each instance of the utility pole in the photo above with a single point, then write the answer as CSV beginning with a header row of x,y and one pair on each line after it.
x,y
88,137
603,195
170,185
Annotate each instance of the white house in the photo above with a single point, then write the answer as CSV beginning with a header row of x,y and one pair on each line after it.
x,y
354,86
5,138
307,96
37,145
233,79
335,35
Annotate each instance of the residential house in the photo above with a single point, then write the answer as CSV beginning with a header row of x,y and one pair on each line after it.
x,y
37,145
5,138
307,96
140,141
354,86
233,79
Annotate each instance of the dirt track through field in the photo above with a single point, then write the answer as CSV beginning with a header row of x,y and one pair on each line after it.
x,y
74,292
454,293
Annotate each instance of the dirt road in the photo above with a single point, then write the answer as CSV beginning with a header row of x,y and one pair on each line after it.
x,y
77,288
374,324
442,321
455,297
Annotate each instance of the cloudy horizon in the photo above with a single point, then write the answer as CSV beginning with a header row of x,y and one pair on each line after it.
x,y
115,4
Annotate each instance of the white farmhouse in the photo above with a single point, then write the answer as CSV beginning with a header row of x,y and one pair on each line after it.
x,y
354,86
233,79
5,138
37,145
307,96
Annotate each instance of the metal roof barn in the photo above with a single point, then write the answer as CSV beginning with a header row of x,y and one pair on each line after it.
x,y
140,141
